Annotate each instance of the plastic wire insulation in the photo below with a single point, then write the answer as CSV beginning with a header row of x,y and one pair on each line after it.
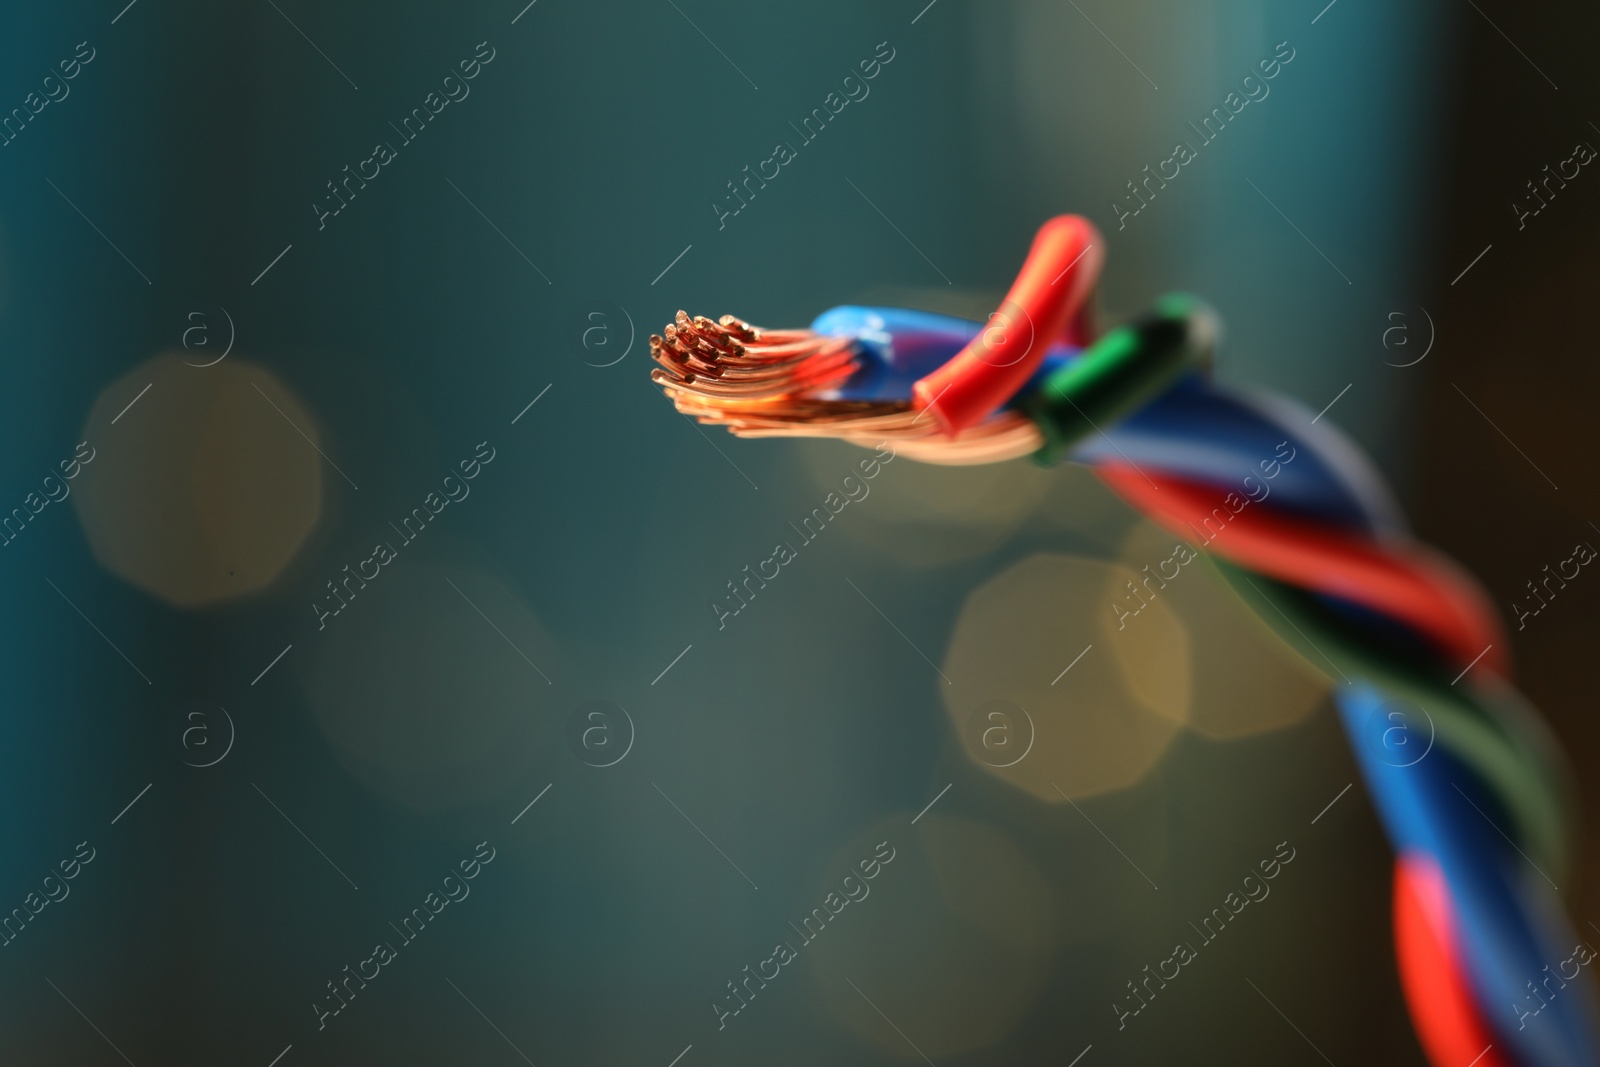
x,y
1405,581
1050,293
1119,373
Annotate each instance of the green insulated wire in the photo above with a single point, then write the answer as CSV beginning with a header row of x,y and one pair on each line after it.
x,y
1131,365
1120,372
1490,731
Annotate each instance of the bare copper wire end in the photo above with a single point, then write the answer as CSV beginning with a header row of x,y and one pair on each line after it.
x,y
773,383
734,359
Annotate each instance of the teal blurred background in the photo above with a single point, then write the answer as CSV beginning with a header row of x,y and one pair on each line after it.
x,y
375,350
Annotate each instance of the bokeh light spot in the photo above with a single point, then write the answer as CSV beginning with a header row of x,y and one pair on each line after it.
x,y
200,492
1243,680
1025,636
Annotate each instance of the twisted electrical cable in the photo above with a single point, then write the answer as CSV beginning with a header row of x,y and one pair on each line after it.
x,y
1469,787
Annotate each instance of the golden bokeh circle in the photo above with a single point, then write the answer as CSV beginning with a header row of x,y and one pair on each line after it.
x,y
201,491
1244,681
1043,636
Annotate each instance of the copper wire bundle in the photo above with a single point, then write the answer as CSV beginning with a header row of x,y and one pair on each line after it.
x,y
776,383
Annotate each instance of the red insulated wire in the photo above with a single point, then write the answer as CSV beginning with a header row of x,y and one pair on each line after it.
x,y
1404,580
1047,303
1432,972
